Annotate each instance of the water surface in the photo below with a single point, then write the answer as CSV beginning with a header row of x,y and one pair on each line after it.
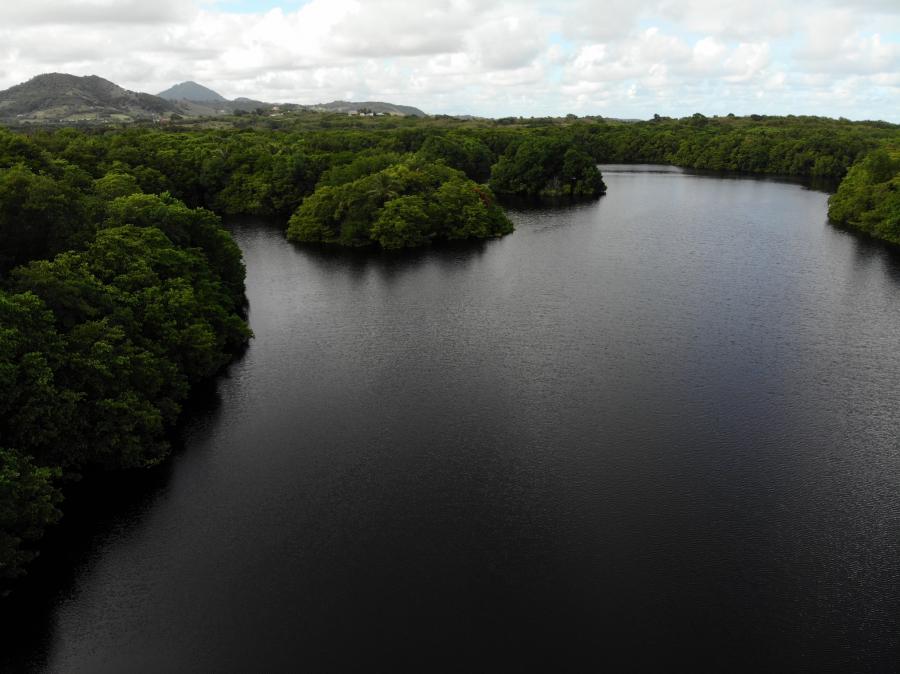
x,y
656,430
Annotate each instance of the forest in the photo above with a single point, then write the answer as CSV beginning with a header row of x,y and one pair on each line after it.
x,y
868,198
120,288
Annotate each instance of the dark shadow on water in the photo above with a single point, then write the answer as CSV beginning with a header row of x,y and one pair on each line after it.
x,y
868,249
232,222
538,203
638,167
870,242
814,183
97,509
390,263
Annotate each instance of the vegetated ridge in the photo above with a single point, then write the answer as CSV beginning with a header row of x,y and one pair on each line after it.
x,y
364,107
57,97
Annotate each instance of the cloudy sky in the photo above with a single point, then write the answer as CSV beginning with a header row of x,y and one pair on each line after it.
x,y
619,58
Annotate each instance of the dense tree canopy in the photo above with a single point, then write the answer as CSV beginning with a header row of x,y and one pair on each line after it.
x,y
465,153
119,303
39,216
404,205
28,500
547,167
869,197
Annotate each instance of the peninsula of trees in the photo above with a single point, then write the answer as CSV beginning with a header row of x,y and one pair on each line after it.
x,y
120,289
869,197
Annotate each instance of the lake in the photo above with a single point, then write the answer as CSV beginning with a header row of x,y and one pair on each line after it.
x,y
656,430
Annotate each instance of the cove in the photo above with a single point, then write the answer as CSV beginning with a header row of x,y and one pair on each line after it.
x,y
654,430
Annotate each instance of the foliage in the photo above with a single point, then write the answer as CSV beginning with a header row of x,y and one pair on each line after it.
x,y
546,167
358,166
464,153
28,503
797,146
195,228
116,184
869,197
34,411
404,205
142,320
39,216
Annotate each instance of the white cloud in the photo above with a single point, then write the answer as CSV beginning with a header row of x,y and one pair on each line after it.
x,y
828,49
734,19
507,41
80,12
496,57
598,21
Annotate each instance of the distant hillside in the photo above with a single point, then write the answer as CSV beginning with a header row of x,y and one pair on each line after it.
x,y
191,91
374,106
248,104
56,97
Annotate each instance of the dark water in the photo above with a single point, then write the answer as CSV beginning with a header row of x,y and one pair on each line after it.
x,y
652,432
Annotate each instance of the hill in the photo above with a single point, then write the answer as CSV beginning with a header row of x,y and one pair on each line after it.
x,y
374,106
191,91
249,104
57,97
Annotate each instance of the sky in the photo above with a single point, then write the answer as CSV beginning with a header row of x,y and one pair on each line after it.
x,y
495,58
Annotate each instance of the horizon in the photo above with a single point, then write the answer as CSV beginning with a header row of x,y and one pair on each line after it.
x,y
495,59
406,104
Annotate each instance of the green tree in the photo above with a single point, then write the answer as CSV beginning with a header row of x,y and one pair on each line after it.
x,y
39,217
547,167
28,504
404,205
116,184
402,223
35,411
464,153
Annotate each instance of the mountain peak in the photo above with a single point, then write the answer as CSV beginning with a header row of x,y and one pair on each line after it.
x,y
191,91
